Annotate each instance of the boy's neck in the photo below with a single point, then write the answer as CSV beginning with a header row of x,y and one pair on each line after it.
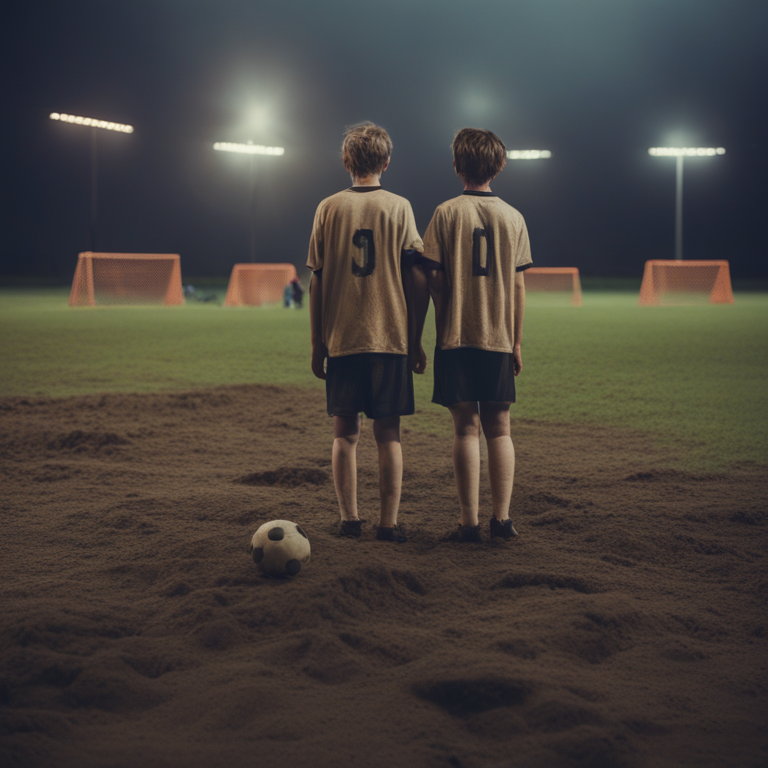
x,y
374,180
470,186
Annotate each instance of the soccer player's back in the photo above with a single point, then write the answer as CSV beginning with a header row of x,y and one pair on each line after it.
x,y
361,254
359,234
476,249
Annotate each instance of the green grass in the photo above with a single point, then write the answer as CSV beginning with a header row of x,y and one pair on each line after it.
x,y
697,372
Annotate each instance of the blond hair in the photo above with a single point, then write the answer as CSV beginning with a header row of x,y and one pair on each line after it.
x,y
479,155
366,149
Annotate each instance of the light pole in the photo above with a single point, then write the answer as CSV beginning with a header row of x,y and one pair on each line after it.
x,y
250,149
680,153
95,125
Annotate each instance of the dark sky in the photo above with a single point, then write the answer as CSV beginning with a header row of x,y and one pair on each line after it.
x,y
595,81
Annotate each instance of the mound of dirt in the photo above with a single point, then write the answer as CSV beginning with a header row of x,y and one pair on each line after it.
x,y
626,626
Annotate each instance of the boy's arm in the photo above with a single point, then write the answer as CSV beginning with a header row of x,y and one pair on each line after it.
x,y
319,350
417,300
519,315
435,282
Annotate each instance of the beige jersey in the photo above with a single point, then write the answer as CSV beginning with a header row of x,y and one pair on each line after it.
x,y
480,242
357,241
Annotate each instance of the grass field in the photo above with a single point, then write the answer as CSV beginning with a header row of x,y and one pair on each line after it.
x,y
693,374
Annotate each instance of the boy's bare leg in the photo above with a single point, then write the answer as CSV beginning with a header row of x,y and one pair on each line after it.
x,y
466,459
494,418
346,433
387,435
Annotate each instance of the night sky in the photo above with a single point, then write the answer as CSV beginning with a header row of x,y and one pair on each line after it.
x,y
597,82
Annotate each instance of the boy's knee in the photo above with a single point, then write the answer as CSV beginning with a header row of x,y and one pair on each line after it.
x,y
387,430
495,421
466,420
346,428
346,442
467,429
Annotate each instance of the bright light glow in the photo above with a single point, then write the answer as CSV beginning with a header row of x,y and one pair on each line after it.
x,y
528,154
91,122
248,149
686,151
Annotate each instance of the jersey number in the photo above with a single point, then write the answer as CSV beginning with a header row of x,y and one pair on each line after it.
x,y
478,270
363,239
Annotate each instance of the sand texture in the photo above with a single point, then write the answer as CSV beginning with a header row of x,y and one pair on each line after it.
x,y
627,626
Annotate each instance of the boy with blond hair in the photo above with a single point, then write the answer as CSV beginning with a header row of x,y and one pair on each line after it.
x,y
476,249
365,342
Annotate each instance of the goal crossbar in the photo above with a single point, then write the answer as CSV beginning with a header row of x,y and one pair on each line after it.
x,y
251,285
668,282
554,280
117,279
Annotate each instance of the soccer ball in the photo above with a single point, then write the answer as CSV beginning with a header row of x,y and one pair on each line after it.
x,y
280,548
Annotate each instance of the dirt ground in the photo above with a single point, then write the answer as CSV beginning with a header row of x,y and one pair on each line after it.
x,y
626,626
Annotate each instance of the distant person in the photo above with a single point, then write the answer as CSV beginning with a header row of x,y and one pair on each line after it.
x,y
297,293
288,295
478,248
361,252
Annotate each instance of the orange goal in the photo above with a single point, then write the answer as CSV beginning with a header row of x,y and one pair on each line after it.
x,y
686,282
554,280
255,284
104,279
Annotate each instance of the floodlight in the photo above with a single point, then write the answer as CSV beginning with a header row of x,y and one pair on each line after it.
x,y
686,151
528,154
91,122
248,149
680,153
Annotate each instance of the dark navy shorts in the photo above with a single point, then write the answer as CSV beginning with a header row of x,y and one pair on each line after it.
x,y
378,385
469,375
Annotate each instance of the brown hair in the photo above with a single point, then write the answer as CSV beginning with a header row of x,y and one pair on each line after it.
x,y
479,154
366,149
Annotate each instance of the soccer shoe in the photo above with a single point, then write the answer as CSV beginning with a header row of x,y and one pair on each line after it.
x,y
465,533
391,534
502,529
469,533
351,528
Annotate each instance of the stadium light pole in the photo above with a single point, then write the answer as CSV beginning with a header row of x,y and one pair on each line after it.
x,y
680,153
95,125
252,150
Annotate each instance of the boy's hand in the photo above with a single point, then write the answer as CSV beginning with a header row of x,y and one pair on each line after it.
x,y
319,353
518,361
418,360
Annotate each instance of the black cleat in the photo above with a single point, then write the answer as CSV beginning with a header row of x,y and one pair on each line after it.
x,y
465,533
395,533
502,529
351,528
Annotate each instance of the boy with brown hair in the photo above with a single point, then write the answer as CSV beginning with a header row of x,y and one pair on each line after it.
x,y
365,342
476,248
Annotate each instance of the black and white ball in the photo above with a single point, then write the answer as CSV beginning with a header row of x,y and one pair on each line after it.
x,y
280,548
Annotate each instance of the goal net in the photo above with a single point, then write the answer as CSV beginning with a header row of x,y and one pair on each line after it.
x,y
555,282
686,282
114,279
255,284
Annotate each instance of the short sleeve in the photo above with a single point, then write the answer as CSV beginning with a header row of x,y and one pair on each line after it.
x,y
412,239
523,251
433,252
315,256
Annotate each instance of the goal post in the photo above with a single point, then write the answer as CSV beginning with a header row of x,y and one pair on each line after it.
x,y
668,282
252,285
118,279
555,281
